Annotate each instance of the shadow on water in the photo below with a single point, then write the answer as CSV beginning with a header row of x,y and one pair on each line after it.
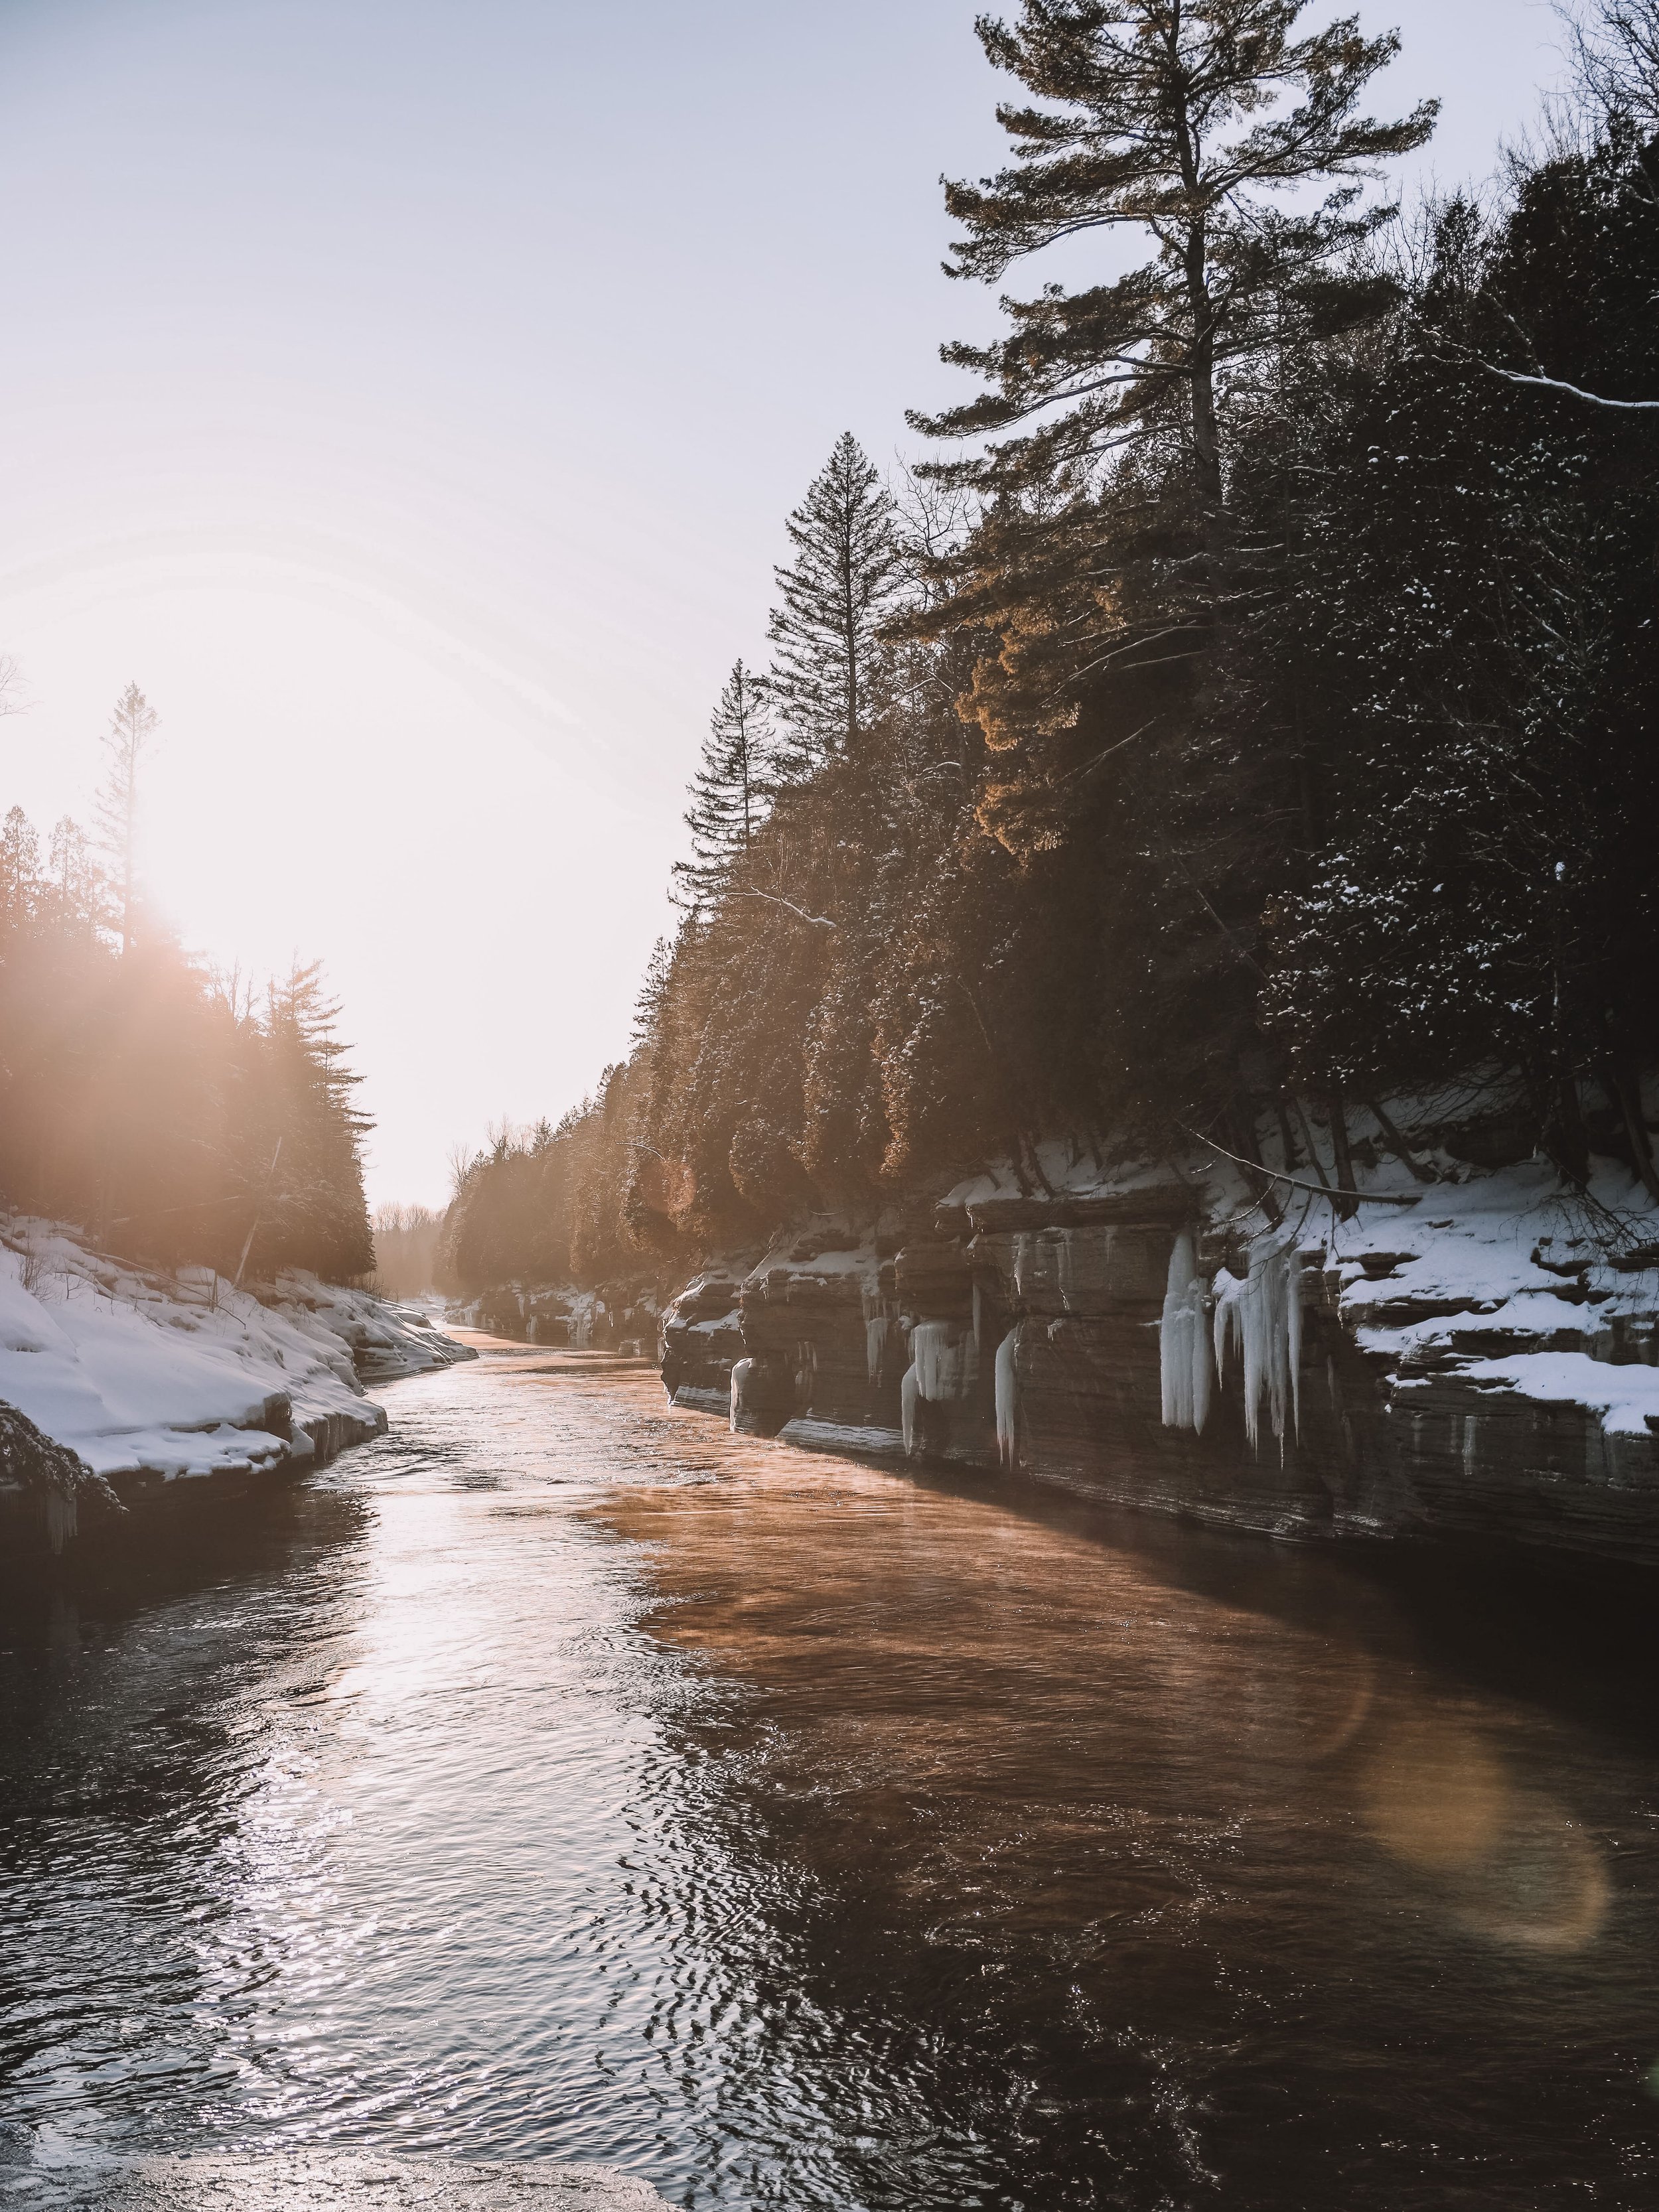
x,y
1241,1874
1577,1636
561,1776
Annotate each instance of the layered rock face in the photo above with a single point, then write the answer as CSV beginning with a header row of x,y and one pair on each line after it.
x,y
1439,1374
613,1318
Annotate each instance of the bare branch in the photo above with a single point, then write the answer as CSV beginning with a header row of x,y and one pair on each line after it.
x,y
1574,390
818,920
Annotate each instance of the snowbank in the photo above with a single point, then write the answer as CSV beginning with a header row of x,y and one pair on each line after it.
x,y
180,1376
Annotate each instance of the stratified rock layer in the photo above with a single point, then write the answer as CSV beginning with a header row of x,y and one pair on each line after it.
x,y
1432,1402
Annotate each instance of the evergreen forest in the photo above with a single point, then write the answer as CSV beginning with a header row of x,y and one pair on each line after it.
x,y
1244,713
172,1114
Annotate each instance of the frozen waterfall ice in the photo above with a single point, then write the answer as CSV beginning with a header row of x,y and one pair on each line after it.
x,y
1260,1315
1184,1342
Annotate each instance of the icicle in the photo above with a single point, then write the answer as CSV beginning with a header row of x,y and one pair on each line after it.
x,y
61,1516
1007,1379
909,1395
1183,1345
1261,1314
1067,1273
939,1364
741,1372
1293,1338
1199,1349
875,1345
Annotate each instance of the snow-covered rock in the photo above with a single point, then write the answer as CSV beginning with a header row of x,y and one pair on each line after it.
x,y
153,1379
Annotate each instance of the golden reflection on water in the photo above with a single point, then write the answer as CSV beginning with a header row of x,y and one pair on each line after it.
x,y
1005,1694
1510,1863
853,1838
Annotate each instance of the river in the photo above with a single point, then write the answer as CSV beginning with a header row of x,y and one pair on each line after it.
x,y
562,1777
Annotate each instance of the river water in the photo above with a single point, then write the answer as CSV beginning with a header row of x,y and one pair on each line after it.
x,y
562,1777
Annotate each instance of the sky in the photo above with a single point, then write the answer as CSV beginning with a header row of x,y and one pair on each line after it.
x,y
408,395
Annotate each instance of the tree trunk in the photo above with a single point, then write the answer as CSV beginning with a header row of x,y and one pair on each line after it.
x,y
1624,1088
1395,1143
1344,1152
1565,1138
1308,1140
1286,1135
1241,1127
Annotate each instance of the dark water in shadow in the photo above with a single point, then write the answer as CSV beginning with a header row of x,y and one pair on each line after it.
x,y
562,1777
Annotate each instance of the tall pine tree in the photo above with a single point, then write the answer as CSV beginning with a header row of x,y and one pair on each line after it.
x,y
728,793
844,580
1181,119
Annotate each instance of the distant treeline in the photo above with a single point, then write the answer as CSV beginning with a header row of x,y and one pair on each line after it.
x,y
406,1239
158,1106
1255,706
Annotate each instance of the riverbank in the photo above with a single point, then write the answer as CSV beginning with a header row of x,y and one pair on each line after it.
x,y
126,1392
1458,1351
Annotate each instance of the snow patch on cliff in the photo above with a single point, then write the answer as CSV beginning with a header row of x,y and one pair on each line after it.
x,y
1499,1275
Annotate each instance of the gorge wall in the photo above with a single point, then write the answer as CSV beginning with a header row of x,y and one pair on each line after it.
x,y
1453,1361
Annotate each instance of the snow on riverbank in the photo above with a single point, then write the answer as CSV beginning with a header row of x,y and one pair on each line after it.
x,y
180,1375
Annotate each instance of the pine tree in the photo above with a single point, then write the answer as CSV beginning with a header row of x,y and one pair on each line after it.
x,y
311,1203
20,874
74,888
844,580
131,730
1168,117
728,793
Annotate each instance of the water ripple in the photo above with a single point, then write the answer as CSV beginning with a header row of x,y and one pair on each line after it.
x,y
560,1777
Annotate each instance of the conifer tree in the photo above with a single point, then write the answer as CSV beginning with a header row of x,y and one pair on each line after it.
x,y
728,793
131,730
311,1197
1181,119
844,580
73,875
19,872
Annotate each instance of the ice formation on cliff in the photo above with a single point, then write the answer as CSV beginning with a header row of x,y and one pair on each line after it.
x,y
741,1372
877,1333
1184,1342
1260,1315
1007,1383
944,1369
909,1395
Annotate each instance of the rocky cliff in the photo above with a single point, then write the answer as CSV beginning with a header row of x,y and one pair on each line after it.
x,y
1464,1352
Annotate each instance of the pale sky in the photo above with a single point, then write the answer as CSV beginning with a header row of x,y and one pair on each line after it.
x,y
408,395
